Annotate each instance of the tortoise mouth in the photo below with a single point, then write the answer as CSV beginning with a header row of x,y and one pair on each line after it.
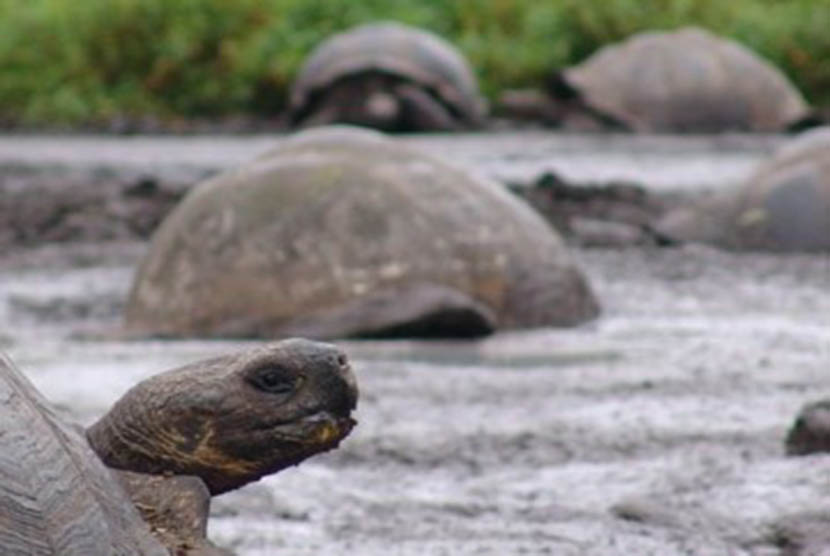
x,y
318,428
327,429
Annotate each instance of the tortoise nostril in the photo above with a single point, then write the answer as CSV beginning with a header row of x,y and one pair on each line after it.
x,y
346,388
350,382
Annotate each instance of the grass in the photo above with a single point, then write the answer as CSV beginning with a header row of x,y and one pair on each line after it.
x,y
69,63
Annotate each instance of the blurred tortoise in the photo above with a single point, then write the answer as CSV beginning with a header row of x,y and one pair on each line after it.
x,y
687,80
387,76
342,232
139,480
784,206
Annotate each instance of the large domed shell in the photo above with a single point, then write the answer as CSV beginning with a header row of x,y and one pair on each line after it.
x,y
56,496
786,203
339,223
684,81
397,49
784,206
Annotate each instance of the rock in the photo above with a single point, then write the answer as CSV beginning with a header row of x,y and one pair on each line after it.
x,y
810,432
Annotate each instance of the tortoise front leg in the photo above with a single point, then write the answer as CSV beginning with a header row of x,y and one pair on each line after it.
x,y
176,508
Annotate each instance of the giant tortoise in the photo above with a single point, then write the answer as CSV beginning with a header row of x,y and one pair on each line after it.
x,y
687,80
139,480
342,232
388,76
783,206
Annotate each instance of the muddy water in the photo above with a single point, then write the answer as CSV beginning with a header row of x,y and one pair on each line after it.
x,y
673,162
655,430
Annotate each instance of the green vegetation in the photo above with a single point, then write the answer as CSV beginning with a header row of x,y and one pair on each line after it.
x,y
65,62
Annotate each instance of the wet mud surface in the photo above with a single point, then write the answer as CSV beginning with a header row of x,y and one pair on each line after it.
x,y
658,161
657,429
94,188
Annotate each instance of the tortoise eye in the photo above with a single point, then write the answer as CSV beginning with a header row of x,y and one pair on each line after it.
x,y
273,380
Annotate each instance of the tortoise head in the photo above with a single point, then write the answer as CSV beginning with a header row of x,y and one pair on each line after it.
x,y
232,419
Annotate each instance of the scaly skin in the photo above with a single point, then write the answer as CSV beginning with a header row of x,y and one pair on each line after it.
x,y
233,419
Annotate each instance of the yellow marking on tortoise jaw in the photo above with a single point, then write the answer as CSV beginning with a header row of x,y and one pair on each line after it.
x,y
327,433
208,455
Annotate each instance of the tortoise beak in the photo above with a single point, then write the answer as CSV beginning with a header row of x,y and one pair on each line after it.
x,y
350,382
328,430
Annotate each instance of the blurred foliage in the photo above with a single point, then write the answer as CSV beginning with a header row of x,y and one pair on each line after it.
x,y
67,62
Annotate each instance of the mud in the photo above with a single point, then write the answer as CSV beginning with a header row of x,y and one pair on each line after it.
x,y
656,161
598,189
657,429
47,206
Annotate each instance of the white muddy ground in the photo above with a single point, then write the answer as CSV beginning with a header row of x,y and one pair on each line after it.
x,y
679,162
657,429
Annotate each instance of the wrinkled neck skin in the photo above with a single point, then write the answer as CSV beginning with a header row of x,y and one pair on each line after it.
x,y
176,508
208,420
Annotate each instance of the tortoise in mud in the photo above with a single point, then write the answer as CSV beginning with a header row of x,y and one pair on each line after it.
x,y
387,76
342,232
687,80
139,481
784,206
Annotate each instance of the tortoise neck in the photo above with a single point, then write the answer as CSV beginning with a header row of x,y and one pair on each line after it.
x,y
118,451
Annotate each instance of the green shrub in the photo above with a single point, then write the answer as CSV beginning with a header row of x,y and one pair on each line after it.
x,y
64,63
